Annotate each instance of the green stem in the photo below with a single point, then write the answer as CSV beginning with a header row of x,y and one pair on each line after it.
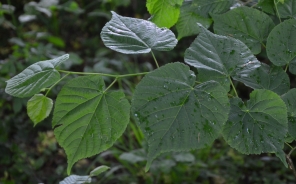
x,y
289,145
104,74
233,87
110,85
56,83
286,67
277,11
155,59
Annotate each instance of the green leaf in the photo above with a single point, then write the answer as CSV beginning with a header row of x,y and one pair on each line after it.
x,y
99,170
186,25
273,78
135,36
176,115
37,76
267,6
219,58
76,179
281,49
259,126
246,24
287,9
289,99
206,7
165,13
39,107
88,119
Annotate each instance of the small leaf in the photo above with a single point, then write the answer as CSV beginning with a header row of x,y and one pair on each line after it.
x,y
99,170
287,9
259,126
186,25
176,115
135,36
165,13
273,78
281,49
88,119
219,58
245,24
75,179
206,7
37,76
289,99
39,107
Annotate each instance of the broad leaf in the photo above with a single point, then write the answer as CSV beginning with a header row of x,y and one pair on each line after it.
x,y
176,115
76,179
37,76
135,36
281,47
87,119
39,107
206,7
287,9
99,170
219,58
246,24
165,13
259,126
267,6
273,78
289,99
186,25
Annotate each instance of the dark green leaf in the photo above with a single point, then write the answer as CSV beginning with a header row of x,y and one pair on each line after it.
x,y
281,45
39,107
135,36
246,24
219,58
206,7
259,126
267,6
88,119
37,76
165,13
289,99
287,9
176,115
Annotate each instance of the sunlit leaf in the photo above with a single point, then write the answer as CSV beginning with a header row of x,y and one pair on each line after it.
x,y
289,99
75,179
39,107
176,115
249,25
135,36
219,58
88,119
37,76
259,126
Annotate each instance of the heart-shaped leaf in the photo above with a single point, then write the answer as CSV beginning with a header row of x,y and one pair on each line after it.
x,y
281,47
219,58
259,126
206,7
39,107
37,76
176,115
88,119
249,25
135,36
273,78
165,13
289,99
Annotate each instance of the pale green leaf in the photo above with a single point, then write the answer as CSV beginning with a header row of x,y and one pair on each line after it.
x,y
135,36
176,115
165,13
37,76
287,9
259,126
281,45
219,58
207,7
188,19
99,170
289,99
246,24
87,119
75,179
39,107
265,77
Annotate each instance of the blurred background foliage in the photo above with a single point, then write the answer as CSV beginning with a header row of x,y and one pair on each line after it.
x,y
35,31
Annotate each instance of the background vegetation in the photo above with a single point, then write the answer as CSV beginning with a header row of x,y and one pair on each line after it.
x,y
34,31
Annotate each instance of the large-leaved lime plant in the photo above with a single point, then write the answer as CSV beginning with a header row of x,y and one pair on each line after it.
x,y
176,108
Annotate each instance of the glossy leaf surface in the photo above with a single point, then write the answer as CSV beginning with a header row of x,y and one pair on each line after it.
x,y
37,76
259,126
76,179
134,36
219,58
87,119
249,25
289,99
176,115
